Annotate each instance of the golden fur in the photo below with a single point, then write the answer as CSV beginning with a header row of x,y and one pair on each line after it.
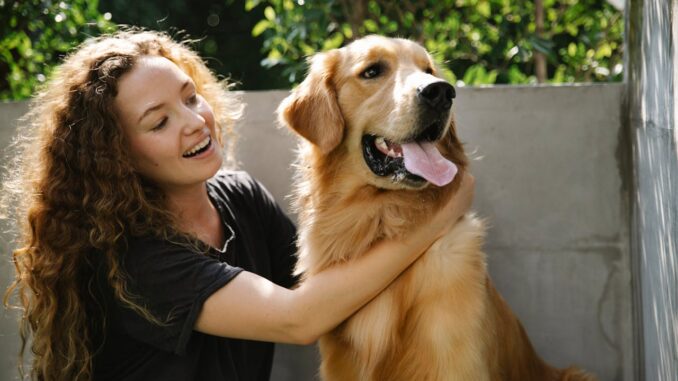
x,y
441,319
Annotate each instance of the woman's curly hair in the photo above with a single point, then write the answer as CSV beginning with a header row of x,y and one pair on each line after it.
x,y
76,196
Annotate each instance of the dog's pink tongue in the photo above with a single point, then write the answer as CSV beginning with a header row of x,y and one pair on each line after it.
x,y
423,159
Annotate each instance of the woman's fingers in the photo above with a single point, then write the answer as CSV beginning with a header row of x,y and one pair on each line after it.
x,y
457,206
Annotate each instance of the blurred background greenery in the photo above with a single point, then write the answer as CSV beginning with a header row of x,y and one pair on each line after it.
x,y
262,44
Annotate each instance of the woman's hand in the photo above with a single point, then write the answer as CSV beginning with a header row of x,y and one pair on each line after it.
x,y
445,218
457,206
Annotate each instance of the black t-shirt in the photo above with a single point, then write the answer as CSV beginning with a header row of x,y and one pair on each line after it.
x,y
173,282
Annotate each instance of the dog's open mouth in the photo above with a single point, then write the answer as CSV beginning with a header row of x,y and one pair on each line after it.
x,y
414,162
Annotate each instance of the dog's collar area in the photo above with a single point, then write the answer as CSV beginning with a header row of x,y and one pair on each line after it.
x,y
383,165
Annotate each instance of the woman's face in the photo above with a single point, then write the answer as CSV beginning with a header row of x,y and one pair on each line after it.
x,y
170,128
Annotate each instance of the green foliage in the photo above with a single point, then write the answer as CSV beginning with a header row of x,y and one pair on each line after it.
x,y
34,36
476,41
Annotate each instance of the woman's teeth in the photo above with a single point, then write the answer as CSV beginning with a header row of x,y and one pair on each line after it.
x,y
198,147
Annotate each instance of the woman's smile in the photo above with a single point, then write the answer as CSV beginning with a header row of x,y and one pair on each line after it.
x,y
199,148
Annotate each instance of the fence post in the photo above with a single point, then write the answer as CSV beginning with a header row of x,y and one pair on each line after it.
x,y
651,60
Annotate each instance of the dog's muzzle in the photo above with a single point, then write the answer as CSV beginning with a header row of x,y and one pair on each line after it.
x,y
416,161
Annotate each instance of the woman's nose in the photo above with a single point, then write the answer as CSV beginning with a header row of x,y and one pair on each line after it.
x,y
192,119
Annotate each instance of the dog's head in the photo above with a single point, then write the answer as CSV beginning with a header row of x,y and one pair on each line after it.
x,y
380,103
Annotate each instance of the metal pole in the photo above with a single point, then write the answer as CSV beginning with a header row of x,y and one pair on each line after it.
x,y
651,76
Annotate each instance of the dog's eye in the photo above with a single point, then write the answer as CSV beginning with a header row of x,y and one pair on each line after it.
x,y
429,70
372,71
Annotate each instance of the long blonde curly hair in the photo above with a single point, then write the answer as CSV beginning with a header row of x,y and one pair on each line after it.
x,y
74,192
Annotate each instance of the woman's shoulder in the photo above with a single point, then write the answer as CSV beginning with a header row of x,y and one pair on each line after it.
x,y
242,193
229,178
232,183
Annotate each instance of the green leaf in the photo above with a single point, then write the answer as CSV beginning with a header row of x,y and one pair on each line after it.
x,y
306,48
572,29
483,8
474,75
288,5
333,42
559,76
515,76
604,51
348,32
408,19
260,27
371,26
251,4
491,77
572,49
269,13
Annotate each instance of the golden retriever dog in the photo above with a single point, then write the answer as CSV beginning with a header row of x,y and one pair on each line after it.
x,y
379,155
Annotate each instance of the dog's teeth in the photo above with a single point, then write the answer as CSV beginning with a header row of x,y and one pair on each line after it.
x,y
380,142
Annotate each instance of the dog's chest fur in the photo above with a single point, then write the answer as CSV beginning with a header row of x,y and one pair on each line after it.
x,y
438,303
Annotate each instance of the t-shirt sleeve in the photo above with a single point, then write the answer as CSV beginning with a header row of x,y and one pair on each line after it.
x,y
281,234
172,282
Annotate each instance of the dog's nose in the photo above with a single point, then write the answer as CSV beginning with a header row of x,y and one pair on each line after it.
x,y
437,95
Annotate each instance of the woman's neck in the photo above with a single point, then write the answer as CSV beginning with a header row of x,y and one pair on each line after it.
x,y
196,215
192,207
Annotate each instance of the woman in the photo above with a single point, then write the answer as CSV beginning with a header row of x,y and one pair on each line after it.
x,y
139,258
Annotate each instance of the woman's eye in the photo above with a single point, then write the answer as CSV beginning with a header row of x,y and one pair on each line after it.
x,y
160,125
193,99
372,71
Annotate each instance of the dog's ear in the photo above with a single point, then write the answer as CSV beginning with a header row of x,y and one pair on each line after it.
x,y
312,109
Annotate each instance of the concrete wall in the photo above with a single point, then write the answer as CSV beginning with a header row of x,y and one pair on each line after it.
x,y
9,336
551,182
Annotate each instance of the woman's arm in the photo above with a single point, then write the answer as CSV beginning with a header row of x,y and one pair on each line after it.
x,y
252,307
